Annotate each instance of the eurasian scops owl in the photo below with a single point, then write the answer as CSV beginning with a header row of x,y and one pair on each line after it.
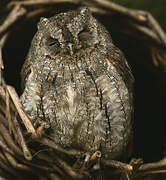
x,y
77,81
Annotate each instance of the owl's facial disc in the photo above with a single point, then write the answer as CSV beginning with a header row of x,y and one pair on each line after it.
x,y
69,35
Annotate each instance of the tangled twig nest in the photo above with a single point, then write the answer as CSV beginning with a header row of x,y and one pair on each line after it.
x,y
24,152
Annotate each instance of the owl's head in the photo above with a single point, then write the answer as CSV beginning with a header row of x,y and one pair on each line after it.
x,y
67,33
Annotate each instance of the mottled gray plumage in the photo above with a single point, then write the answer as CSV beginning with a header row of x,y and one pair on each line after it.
x,y
79,83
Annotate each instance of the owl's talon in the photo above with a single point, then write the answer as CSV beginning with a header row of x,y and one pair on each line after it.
x,y
91,161
41,129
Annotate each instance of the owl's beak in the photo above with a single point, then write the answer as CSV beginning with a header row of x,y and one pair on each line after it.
x,y
70,45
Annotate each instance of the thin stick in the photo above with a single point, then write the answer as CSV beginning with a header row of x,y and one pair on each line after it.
x,y
41,2
51,144
141,16
8,171
162,171
9,140
54,177
3,158
94,159
140,175
27,153
16,165
117,164
4,146
51,162
155,26
3,100
2,108
155,165
38,165
159,57
136,15
3,120
37,12
3,162
20,110
15,125
14,16
2,92
68,169
2,42
151,35
8,113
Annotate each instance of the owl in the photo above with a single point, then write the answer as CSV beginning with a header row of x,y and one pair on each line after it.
x,y
78,82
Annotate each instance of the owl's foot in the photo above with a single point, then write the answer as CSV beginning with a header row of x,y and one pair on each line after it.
x,y
90,161
41,129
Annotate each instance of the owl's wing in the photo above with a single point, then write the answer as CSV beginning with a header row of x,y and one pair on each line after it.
x,y
25,71
117,58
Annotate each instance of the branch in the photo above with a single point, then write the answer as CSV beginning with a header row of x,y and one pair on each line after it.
x,y
41,2
14,16
21,112
141,17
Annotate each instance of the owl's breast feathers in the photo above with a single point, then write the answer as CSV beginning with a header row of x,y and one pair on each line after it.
x,y
93,103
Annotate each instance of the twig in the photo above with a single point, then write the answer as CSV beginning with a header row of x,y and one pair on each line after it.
x,y
3,158
54,177
134,14
52,144
159,58
117,164
10,152
126,169
2,108
135,163
2,92
4,146
68,169
8,171
41,2
16,165
38,165
137,15
14,16
27,153
2,42
51,162
3,120
15,125
20,110
37,12
90,160
146,32
9,140
8,113
3,100
156,165
156,27
154,172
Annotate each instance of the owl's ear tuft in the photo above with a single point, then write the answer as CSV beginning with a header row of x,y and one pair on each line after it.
x,y
84,11
43,22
